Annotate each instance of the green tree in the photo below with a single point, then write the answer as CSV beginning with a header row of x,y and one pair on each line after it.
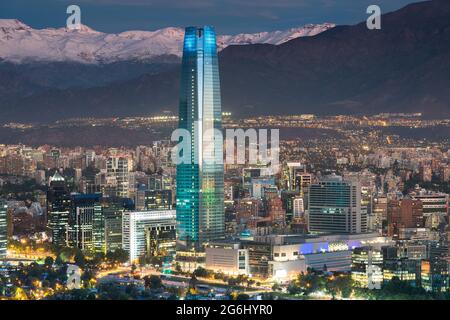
x,y
79,259
201,272
276,287
344,284
294,289
243,296
153,282
48,262
311,282
117,256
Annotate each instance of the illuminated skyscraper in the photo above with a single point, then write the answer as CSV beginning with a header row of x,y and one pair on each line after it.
x,y
200,192
85,229
58,207
117,169
3,229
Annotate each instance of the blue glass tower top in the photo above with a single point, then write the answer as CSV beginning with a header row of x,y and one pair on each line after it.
x,y
200,209
200,37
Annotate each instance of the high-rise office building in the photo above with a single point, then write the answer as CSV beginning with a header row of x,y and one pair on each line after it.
x,y
113,209
288,198
298,207
117,169
158,182
405,213
200,186
3,229
335,206
397,264
302,182
59,205
435,269
367,267
292,169
380,203
10,221
85,228
153,200
113,228
142,231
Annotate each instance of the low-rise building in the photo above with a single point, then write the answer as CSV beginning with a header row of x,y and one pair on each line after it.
x,y
228,258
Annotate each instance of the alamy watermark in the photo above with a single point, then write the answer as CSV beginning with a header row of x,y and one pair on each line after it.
x,y
238,143
73,22
374,20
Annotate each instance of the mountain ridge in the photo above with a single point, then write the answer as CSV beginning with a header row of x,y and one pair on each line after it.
x,y
21,43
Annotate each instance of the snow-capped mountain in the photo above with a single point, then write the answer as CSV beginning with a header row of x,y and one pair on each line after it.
x,y
19,42
275,37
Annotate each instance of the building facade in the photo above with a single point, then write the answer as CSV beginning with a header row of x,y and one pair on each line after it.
x,y
117,173
59,204
3,229
200,186
228,258
367,267
405,213
85,229
136,226
335,207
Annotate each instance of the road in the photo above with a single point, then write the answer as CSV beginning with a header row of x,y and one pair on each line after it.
x,y
177,280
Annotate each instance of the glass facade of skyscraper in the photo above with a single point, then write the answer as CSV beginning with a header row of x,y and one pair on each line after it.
x,y
3,229
85,228
335,207
200,211
59,203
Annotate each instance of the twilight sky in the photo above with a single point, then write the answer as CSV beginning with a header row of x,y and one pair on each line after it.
x,y
228,16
